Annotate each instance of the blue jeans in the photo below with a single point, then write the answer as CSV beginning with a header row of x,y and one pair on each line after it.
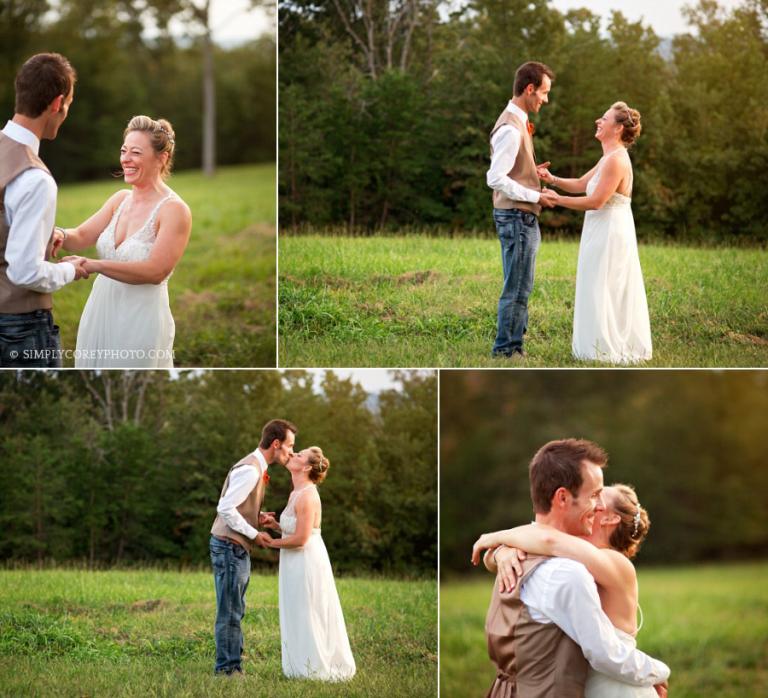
x,y
231,572
29,340
519,235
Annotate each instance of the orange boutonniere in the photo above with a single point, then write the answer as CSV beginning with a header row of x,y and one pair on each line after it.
x,y
266,479
531,128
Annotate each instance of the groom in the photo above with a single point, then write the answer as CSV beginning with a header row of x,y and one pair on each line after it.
x,y
233,534
543,635
28,337
517,203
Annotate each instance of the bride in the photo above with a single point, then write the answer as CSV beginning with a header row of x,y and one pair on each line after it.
x,y
314,637
140,235
610,319
615,539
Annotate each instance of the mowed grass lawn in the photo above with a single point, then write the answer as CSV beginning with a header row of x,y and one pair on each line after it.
x,y
150,633
423,301
709,624
223,289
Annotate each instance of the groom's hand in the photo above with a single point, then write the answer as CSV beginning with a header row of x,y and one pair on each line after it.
x,y
662,689
79,264
261,539
548,198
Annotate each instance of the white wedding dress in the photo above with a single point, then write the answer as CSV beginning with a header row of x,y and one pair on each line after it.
x,y
126,325
610,319
601,686
313,634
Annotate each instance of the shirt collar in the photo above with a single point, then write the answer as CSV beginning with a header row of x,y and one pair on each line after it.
x,y
22,135
514,109
262,461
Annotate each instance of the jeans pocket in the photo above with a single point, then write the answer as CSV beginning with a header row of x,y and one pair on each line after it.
x,y
16,346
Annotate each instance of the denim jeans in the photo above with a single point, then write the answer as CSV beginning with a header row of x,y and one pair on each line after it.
x,y
29,340
519,236
231,572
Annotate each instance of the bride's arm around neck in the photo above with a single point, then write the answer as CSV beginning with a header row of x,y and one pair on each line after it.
x,y
174,225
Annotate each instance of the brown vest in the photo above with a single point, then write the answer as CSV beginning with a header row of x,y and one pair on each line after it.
x,y
533,660
16,158
249,509
524,169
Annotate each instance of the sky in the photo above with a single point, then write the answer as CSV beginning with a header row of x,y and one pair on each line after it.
x,y
234,23
664,16
373,380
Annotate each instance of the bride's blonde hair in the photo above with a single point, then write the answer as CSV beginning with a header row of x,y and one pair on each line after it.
x,y
319,463
629,119
634,521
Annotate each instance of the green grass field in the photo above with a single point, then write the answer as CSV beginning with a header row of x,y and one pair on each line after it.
x,y
150,633
421,301
709,624
223,289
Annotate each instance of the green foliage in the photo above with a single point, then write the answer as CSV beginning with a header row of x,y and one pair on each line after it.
x,y
139,633
709,624
122,467
688,441
408,145
429,301
121,73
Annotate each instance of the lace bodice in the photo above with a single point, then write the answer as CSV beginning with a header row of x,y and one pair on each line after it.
x,y
616,199
137,246
288,517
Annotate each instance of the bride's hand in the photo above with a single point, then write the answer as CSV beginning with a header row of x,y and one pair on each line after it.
x,y
58,241
91,265
543,172
268,520
484,542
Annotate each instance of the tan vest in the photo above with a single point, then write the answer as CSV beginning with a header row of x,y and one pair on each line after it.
x,y
249,509
533,660
524,169
16,158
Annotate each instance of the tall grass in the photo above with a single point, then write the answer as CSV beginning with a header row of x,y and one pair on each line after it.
x,y
150,633
421,301
223,289
709,624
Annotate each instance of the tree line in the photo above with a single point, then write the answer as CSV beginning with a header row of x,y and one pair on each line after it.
x,y
120,468
122,72
386,109
692,444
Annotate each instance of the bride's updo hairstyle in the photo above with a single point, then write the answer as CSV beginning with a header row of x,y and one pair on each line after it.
x,y
630,120
633,527
161,136
319,464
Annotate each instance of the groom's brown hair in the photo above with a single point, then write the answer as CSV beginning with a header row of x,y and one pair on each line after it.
x,y
276,429
531,73
40,80
558,464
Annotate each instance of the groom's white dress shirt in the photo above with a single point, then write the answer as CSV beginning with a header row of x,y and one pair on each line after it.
x,y
562,591
506,145
242,480
30,212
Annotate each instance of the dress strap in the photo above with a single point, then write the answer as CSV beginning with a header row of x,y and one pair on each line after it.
x,y
640,625
156,209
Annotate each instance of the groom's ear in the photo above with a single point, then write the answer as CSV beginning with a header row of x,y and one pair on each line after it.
x,y
56,104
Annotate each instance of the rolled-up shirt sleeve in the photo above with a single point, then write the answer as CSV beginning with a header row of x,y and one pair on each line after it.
x,y
506,144
242,480
574,605
30,201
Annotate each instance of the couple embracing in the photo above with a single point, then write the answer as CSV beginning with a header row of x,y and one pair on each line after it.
x,y
564,612
313,635
610,319
140,235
